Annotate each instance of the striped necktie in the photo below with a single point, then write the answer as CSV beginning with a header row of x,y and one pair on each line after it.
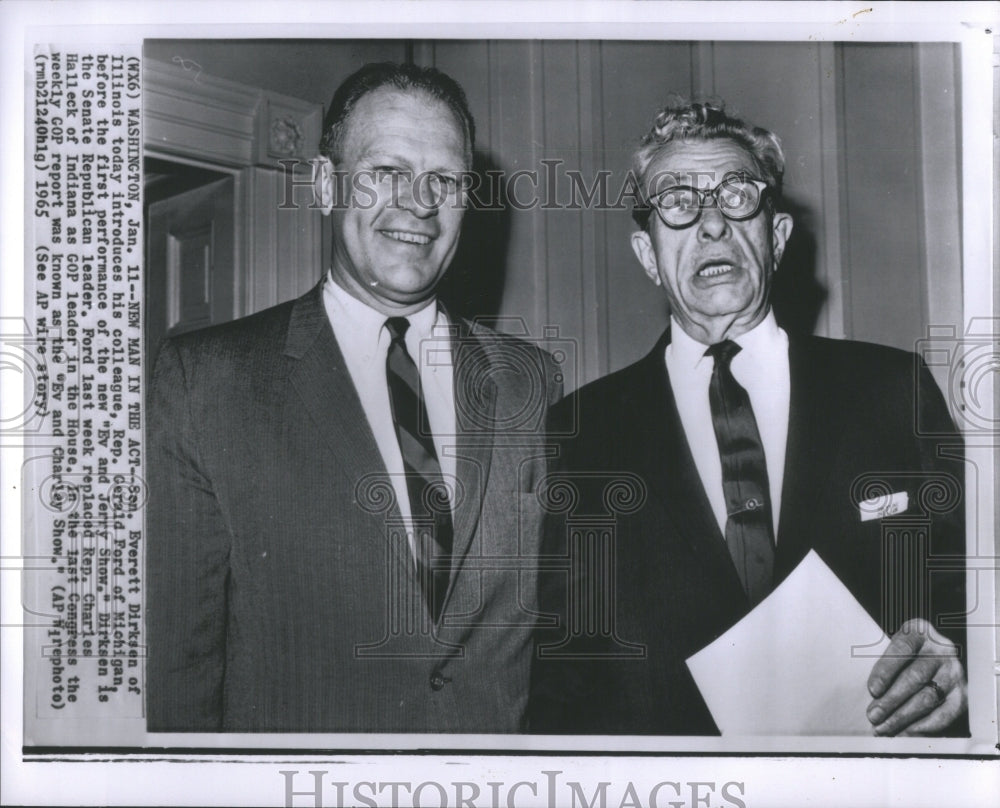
x,y
749,527
429,503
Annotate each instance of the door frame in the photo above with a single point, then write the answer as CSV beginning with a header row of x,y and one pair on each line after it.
x,y
240,221
193,118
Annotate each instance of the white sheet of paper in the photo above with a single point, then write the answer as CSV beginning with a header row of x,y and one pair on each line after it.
x,y
798,664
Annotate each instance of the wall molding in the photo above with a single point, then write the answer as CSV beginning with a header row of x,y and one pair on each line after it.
x,y
192,117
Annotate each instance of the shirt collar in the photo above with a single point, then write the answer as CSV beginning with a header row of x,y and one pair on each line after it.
x,y
367,323
764,339
761,340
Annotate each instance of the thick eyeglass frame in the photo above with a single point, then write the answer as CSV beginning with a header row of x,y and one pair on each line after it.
x,y
706,198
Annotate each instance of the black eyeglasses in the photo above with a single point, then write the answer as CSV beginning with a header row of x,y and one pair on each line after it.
x,y
738,197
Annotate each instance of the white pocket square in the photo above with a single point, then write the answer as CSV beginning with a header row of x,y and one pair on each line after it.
x,y
883,506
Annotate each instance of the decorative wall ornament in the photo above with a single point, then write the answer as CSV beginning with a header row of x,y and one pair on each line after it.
x,y
286,137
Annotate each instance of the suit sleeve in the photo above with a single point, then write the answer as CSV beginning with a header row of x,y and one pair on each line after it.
x,y
564,691
187,558
942,458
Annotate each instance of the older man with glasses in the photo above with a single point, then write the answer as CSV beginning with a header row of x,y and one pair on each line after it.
x,y
749,443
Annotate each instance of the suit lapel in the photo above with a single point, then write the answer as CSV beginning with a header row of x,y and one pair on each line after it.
x,y
475,407
322,383
669,470
814,417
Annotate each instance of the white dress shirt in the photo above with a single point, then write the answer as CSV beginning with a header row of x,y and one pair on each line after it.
x,y
761,367
364,342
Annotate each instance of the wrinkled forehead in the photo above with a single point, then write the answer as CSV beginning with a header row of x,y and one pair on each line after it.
x,y
698,163
390,114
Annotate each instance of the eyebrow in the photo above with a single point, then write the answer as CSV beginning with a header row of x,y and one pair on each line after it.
x,y
395,158
384,157
689,178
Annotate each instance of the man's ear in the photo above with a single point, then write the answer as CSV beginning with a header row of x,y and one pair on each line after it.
x,y
781,229
322,181
642,246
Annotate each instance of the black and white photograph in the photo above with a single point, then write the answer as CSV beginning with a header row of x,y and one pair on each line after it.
x,y
531,404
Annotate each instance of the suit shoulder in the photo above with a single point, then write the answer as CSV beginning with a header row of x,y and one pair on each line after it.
x,y
259,327
491,338
866,362
885,385
515,360
849,348
226,357
235,344
607,397
612,388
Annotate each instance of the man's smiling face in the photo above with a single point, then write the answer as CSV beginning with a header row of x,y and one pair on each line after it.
x,y
403,154
716,272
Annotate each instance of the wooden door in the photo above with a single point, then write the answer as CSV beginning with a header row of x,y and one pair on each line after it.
x,y
190,277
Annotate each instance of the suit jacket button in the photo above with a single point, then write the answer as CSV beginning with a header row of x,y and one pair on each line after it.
x,y
438,680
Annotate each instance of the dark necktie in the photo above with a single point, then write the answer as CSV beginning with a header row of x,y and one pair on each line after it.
x,y
749,528
429,504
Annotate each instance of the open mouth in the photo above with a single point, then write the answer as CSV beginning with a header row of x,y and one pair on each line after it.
x,y
407,237
715,269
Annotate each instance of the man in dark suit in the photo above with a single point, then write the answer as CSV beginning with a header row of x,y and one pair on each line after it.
x,y
341,487
730,452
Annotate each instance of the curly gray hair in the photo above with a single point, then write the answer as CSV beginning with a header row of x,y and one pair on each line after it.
x,y
702,122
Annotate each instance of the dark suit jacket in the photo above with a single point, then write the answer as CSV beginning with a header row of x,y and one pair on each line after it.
x,y
675,589
282,594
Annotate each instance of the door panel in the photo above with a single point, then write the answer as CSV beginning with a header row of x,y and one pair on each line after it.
x,y
190,267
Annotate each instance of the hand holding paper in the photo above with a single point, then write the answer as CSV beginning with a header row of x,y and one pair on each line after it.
x,y
919,685
798,664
